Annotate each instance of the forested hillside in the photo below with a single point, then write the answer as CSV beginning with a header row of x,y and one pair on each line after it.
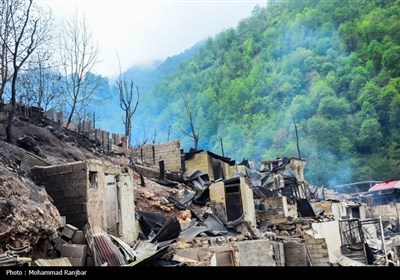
x,y
332,65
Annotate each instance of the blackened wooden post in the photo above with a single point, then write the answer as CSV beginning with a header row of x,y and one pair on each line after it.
x,y
142,183
162,170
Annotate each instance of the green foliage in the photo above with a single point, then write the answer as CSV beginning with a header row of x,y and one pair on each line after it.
x,y
334,65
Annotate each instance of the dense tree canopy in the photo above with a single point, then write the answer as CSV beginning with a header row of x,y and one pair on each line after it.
x,y
334,65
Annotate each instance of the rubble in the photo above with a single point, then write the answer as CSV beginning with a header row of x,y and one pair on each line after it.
x,y
155,205
26,213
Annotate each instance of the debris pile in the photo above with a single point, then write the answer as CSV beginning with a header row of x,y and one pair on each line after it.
x,y
26,213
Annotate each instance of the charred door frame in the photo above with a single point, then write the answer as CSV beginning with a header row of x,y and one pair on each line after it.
x,y
233,200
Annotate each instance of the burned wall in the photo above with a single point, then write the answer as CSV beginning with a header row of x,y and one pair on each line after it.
x,y
127,229
225,200
67,186
295,253
94,192
169,152
248,202
200,161
96,206
217,197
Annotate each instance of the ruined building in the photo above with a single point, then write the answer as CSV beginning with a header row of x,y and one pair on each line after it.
x,y
92,192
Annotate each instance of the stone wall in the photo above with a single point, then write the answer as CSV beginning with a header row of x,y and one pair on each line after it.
x,y
169,152
67,186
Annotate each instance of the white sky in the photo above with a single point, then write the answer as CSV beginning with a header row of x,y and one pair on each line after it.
x,y
144,31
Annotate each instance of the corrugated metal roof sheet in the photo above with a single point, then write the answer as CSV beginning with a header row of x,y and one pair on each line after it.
x,y
385,186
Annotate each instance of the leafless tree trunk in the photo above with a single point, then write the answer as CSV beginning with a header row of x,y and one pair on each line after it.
x,y
78,54
5,58
194,133
28,28
125,89
126,102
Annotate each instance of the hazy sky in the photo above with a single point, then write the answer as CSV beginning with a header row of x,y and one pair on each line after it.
x,y
144,31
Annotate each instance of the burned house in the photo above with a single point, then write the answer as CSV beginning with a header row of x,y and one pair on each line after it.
x,y
384,200
353,191
233,199
93,192
217,167
279,177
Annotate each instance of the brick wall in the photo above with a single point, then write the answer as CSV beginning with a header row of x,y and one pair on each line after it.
x,y
67,186
169,152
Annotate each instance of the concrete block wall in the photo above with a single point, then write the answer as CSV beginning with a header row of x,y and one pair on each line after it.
x,y
103,137
318,250
387,212
67,186
256,253
295,253
169,152
29,161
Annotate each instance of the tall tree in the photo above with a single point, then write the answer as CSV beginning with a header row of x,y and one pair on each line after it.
x,y
126,99
78,55
26,28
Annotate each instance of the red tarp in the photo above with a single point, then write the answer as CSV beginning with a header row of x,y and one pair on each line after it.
x,y
385,186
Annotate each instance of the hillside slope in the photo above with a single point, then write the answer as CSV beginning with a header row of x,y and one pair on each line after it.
x,y
332,65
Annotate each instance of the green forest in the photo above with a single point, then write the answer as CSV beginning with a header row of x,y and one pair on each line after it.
x,y
332,66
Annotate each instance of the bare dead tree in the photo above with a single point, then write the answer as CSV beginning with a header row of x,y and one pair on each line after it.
x,y
297,136
126,99
5,56
27,28
154,136
40,85
78,55
193,133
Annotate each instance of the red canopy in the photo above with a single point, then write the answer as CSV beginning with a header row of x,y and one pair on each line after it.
x,y
385,186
